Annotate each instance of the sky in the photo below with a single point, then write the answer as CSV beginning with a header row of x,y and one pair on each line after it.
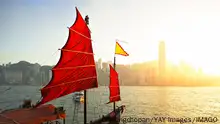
x,y
34,30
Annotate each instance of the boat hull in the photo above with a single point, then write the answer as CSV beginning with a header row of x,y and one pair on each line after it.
x,y
111,118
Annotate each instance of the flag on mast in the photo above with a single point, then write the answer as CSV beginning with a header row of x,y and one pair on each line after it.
x,y
119,50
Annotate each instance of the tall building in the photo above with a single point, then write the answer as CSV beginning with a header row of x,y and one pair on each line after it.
x,y
162,58
99,63
50,74
13,76
105,66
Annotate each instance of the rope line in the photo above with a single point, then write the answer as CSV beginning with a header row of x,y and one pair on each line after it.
x,y
45,60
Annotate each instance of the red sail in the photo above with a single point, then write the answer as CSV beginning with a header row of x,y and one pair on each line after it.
x,y
75,70
114,86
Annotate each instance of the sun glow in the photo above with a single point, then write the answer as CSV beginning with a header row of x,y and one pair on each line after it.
x,y
199,56
197,48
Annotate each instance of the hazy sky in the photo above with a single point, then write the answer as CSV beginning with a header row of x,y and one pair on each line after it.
x,y
33,30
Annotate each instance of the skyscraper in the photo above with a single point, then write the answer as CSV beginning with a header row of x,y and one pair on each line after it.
x,y
100,63
162,58
105,66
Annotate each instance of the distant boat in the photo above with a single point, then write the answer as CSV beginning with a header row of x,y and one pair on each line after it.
x,y
78,97
74,72
114,88
81,93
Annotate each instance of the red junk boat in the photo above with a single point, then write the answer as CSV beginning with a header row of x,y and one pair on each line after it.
x,y
114,116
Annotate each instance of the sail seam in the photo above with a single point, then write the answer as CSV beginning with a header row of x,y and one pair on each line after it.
x,y
73,67
70,82
76,51
79,33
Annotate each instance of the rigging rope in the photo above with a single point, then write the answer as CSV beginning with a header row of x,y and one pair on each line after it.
x,y
121,41
43,64
45,60
48,59
41,75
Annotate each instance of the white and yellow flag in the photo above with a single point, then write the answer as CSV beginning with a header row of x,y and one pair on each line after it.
x,y
119,50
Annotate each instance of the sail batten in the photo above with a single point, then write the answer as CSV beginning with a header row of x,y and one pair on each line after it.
x,y
79,33
65,83
73,67
114,86
77,51
75,70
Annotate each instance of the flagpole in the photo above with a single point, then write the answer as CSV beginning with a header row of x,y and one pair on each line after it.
x,y
121,52
114,69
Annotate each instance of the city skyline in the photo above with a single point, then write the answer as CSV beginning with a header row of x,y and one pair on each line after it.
x,y
34,30
162,63
147,74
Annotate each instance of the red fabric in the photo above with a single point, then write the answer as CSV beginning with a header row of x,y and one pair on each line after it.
x,y
114,86
68,76
30,115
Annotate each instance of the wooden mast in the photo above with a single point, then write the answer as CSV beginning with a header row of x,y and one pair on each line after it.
x,y
114,68
85,99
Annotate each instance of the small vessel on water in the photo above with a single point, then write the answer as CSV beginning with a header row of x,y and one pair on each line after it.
x,y
78,97
114,88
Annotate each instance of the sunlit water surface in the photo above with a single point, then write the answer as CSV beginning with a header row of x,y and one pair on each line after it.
x,y
141,102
